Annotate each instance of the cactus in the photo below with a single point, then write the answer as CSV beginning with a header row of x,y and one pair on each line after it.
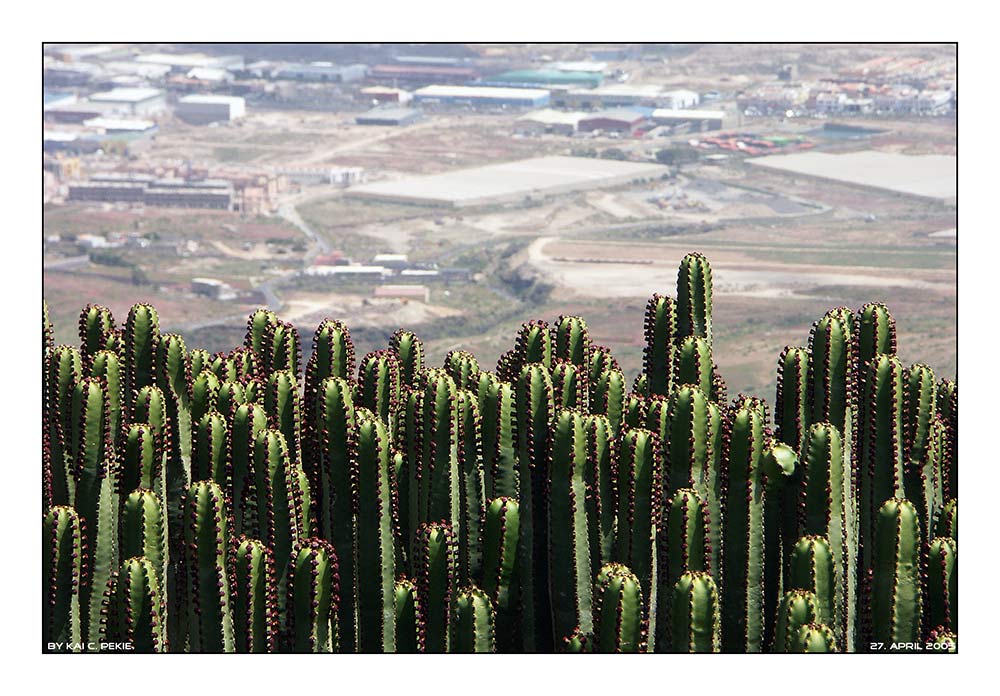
x,y
881,443
569,538
96,328
134,611
635,409
106,365
695,625
282,349
500,538
142,335
947,523
782,476
409,354
210,624
63,371
947,404
499,435
532,345
472,631
378,382
693,364
281,514
246,424
571,342
942,583
471,487
144,531
792,411
683,548
578,642
743,529
944,641
618,611
463,368
255,598
812,569
601,500
896,599
814,638
639,507
609,398
601,360
534,412
409,629
434,561
63,577
919,410
569,387
210,453
694,297
439,497
832,370
659,327
798,608
376,555
692,426
313,595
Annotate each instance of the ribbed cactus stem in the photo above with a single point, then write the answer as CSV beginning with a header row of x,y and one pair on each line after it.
x,y
609,398
313,595
569,538
281,401
255,598
435,564
282,348
569,385
571,341
919,410
812,569
376,550
463,368
246,424
499,435
134,611
601,359
947,403
472,631
896,603
944,641
942,583
876,332
408,617
106,365
533,344
63,576
947,522
378,380
683,548
814,638
693,364
694,297
640,505
500,538
472,496
601,501
96,328
63,370
144,531
210,624
659,329
578,642
792,410
142,335
409,352
798,608
618,611
280,508
210,454
695,624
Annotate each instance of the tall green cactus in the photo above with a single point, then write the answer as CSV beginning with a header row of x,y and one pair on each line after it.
x,y
246,423
144,532
142,336
532,345
378,382
743,528
255,598
282,348
472,630
896,600
134,612
313,594
640,505
106,365
601,500
408,617
798,608
500,538
683,548
694,297
693,364
571,341
409,352
569,538
619,626
792,411
281,510
471,497
376,555
63,576
534,412
96,328
207,539
832,370
499,435
942,583
947,403
812,569
463,368
332,356
609,398
947,522
63,371
569,386
659,328
439,496
210,454
695,624
876,332
814,638
919,410
434,561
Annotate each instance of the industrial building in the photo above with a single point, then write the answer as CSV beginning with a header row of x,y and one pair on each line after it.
x,y
612,121
535,78
77,112
391,95
213,288
548,121
423,74
210,108
331,176
382,116
698,119
121,126
320,72
616,95
481,96
183,62
510,182
135,101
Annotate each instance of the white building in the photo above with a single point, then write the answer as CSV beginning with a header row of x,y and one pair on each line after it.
x,y
209,108
333,176
681,99
548,121
135,101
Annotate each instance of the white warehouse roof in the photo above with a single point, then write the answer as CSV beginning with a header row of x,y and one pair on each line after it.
x,y
127,94
692,114
458,91
212,99
551,116
121,124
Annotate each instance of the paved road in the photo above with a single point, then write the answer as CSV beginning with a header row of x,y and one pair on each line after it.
x,y
66,264
288,211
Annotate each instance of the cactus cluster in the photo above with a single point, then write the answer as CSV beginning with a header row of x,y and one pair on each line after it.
x,y
247,502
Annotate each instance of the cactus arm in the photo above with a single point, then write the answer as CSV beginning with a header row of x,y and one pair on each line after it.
x,y
255,598
409,352
280,505
434,560
609,398
533,345
792,412
811,568
210,624
376,551
659,328
281,401
683,543
693,365
500,538
947,522
63,370
814,638
896,600
569,542
568,385
499,433
798,608
246,424
942,584
211,450
694,297
313,594
472,500
135,607
695,625
601,474
144,531
378,379
142,336
639,503
618,611
463,368
473,622
63,575
409,625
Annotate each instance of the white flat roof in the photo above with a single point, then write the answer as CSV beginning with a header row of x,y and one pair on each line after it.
x,y
188,60
688,113
624,90
127,94
119,123
928,176
496,92
569,118
510,181
579,66
210,99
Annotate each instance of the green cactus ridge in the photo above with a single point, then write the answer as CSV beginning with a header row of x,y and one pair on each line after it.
x,y
272,497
